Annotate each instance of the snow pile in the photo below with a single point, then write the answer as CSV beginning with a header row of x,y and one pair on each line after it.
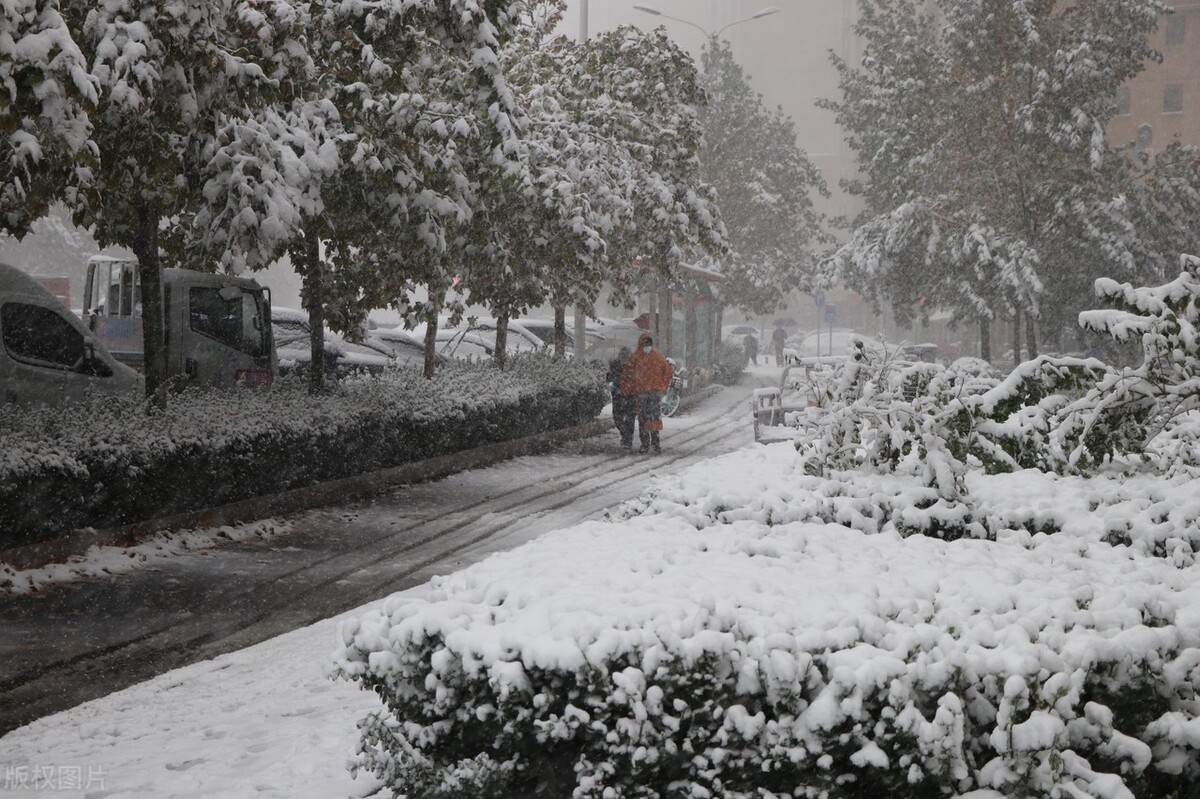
x,y
110,560
768,485
711,642
107,461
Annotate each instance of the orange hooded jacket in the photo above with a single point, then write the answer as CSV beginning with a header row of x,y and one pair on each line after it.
x,y
645,372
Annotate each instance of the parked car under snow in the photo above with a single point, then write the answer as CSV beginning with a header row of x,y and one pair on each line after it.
x,y
404,347
342,357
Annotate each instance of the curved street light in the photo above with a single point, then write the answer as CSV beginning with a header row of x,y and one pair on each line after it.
x,y
766,12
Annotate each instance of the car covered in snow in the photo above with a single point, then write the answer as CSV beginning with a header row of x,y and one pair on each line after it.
x,y
839,343
464,345
342,357
544,330
606,337
403,346
47,355
519,338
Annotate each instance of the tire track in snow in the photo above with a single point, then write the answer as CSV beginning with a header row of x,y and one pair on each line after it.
x,y
341,580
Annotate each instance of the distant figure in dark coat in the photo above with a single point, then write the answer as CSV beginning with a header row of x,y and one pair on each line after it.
x,y
623,405
778,339
750,345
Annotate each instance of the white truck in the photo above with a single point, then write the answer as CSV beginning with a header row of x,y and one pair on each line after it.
x,y
47,355
217,327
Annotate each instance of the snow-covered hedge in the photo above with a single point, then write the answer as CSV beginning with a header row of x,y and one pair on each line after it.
x,y
1153,515
106,461
1062,415
681,653
729,366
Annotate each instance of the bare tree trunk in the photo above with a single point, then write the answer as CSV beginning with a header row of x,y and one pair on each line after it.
x,y
1031,337
500,356
560,332
145,247
665,317
715,333
1016,338
313,301
690,337
433,310
653,311
985,339
580,333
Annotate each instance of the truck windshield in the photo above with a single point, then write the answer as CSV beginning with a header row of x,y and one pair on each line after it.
x,y
236,323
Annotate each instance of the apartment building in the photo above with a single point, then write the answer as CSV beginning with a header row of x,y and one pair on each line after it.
x,y
1162,103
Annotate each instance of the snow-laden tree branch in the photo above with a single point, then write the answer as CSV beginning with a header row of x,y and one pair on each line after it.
x,y
990,187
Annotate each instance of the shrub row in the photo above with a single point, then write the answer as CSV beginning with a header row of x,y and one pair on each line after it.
x,y
1066,415
107,462
882,614
649,659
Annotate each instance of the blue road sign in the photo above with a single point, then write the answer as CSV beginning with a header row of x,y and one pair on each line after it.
x,y
819,298
831,313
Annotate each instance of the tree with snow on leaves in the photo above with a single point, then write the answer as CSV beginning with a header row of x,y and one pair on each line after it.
x,y
989,185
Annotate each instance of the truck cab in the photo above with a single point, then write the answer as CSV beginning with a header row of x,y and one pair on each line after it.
x,y
47,355
217,327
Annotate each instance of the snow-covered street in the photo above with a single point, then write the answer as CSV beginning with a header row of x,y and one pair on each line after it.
x,y
737,556
119,616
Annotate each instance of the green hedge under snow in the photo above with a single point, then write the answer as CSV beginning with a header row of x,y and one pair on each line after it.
x,y
107,462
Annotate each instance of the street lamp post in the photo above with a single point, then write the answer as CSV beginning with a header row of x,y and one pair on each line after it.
x,y
711,37
654,12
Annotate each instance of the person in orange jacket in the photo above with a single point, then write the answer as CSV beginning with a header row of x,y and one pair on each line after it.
x,y
646,376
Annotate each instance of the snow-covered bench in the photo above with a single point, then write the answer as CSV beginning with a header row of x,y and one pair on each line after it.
x,y
779,410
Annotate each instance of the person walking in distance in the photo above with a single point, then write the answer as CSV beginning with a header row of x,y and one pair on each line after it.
x,y
623,405
750,345
778,339
646,377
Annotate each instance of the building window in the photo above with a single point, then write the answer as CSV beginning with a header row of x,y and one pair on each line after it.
x,y
1123,101
1173,98
1176,29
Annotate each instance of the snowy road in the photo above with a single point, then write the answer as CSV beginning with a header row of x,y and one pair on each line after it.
x,y
87,638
